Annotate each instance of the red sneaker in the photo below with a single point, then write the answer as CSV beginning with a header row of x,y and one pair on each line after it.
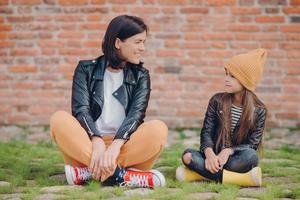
x,y
143,179
77,175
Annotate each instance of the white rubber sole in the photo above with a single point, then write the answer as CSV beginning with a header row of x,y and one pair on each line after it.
x,y
180,173
256,176
160,176
69,174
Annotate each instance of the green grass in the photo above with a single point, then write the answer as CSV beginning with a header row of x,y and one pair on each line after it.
x,y
28,167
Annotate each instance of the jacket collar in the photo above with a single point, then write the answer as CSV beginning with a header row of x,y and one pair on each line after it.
x,y
102,64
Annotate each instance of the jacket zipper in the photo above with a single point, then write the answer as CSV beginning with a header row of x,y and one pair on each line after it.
x,y
126,133
90,131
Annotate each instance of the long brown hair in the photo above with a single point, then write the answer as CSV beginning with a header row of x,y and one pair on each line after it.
x,y
247,120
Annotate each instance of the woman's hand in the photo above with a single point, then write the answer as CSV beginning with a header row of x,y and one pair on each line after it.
x,y
98,149
109,158
211,161
223,156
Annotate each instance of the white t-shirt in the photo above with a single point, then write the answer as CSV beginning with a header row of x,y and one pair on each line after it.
x,y
113,113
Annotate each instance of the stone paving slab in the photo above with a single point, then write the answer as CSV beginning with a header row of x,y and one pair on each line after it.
x,y
50,197
4,184
202,195
251,191
11,196
138,191
60,188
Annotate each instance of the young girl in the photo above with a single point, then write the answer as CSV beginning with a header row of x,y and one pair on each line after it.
x,y
232,129
106,135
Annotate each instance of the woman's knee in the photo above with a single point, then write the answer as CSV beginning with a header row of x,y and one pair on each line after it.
x,y
58,118
159,130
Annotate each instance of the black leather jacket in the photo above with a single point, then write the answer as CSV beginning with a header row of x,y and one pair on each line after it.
x,y
210,129
87,96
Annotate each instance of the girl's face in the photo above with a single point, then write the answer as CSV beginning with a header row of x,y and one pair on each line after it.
x,y
132,48
232,85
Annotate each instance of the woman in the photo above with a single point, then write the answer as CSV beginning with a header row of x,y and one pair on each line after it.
x,y
232,129
106,138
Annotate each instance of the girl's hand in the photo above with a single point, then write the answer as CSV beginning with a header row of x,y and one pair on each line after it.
x,y
211,161
223,156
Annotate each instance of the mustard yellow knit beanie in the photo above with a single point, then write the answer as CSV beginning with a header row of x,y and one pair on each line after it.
x,y
248,67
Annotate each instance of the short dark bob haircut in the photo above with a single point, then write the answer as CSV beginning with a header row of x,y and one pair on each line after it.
x,y
122,27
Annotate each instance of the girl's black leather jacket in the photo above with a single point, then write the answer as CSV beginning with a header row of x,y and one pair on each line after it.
x,y
210,130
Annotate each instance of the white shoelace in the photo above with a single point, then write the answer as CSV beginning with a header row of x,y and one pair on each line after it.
x,y
136,181
84,173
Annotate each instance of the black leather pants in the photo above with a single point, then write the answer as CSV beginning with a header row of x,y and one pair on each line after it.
x,y
241,161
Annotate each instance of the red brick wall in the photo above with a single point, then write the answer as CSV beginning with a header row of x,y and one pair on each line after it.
x,y
42,41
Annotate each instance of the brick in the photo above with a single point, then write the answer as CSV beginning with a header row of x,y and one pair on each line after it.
x,y
70,34
195,45
287,116
73,2
93,26
168,10
246,2
249,46
194,18
122,1
245,11
290,28
194,10
272,10
145,10
173,44
270,19
74,43
23,69
78,52
272,2
295,2
25,10
22,19
96,10
169,53
3,35
43,18
244,28
291,10
192,28
51,44
23,52
93,18
98,2
3,2
6,44
69,18
26,2
173,2
93,44
246,19
5,27
295,19
287,45
217,36
149,1
220,2
6,10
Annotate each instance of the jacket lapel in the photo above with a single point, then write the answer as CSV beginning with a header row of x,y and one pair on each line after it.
x,y
97,80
